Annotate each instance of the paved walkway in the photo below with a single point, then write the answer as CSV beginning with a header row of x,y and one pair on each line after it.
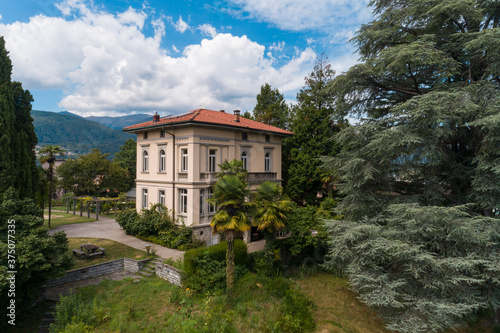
x,y
108,228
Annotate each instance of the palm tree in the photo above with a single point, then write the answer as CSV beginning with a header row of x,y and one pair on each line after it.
x,y
271,214
48,155
233,167
230,194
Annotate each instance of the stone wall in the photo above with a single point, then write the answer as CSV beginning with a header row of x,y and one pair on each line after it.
x,y
169,273
132,265
73,275
108,267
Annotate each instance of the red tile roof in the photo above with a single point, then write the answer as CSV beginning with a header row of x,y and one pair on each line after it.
x,y
209,117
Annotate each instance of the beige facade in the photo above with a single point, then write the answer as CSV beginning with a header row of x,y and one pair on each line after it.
x,y
177,165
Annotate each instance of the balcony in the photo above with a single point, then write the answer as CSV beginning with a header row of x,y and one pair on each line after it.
x,y
208,176
259,177
252,177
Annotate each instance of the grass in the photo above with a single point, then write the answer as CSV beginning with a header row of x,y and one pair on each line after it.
x,y
114,250
152,305
337,308
60,218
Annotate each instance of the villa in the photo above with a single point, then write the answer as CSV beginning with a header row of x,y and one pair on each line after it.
x,y
178,157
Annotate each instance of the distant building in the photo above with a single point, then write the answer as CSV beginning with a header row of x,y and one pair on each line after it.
x,y
178,157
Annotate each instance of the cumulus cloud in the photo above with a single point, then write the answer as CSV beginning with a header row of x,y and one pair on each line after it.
x,y
106,64
207,30
278,47
180,25
299,15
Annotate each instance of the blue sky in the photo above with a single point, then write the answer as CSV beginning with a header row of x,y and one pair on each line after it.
x,y
114,58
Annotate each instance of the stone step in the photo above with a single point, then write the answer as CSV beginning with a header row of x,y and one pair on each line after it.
x,y
145,273
149,270
48,320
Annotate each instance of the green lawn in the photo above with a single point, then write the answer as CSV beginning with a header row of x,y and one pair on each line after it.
x,y
114,250
59,218
337,308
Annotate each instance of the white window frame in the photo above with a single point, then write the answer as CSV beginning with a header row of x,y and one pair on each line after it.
x,y
184,159
161,197
163,161
145,161
202,202
211,207
267,161
212,160
145,198
183,201
244,159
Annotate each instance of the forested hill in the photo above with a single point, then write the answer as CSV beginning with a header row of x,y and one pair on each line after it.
x,y
121,122
77,134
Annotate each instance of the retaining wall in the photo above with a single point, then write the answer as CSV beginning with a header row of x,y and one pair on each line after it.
x,y
169,273
108,267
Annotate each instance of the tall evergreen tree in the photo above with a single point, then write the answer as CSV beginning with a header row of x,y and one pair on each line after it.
x,y
7,117
421,168
429,91
127,159
313,128
271,108
17,133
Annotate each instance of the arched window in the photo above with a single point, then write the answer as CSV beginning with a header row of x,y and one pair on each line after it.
x,y
267,162
162,161
244,159
145,159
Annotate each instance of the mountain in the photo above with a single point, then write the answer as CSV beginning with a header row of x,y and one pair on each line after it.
x,y
76,134
121,122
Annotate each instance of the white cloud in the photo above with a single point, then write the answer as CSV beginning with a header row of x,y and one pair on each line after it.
x,y
0,17
175,49
133,17
299,15
278,47
207,30
180,25
105,63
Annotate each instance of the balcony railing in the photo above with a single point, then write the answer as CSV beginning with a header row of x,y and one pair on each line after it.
x,y
252,177
257,177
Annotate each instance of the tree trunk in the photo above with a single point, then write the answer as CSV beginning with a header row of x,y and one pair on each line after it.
x,y
230,261
50,193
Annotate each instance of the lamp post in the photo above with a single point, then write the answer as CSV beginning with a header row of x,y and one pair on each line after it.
x,y
148,247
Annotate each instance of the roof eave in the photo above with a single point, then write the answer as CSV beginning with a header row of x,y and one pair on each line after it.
x,y
194,122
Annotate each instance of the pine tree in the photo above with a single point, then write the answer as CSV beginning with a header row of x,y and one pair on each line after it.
x,y
421,168
429,92
271,108
312,128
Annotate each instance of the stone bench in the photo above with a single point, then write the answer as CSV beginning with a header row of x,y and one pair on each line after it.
x,y
79,253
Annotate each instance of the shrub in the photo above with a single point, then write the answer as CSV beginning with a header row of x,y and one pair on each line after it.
x,y
205,267
156,225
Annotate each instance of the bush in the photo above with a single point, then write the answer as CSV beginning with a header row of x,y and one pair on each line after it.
x,y
205,267
156,225
215,252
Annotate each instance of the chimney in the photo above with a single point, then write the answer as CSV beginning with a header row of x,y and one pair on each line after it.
x,y
156,118
223,111
237,116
